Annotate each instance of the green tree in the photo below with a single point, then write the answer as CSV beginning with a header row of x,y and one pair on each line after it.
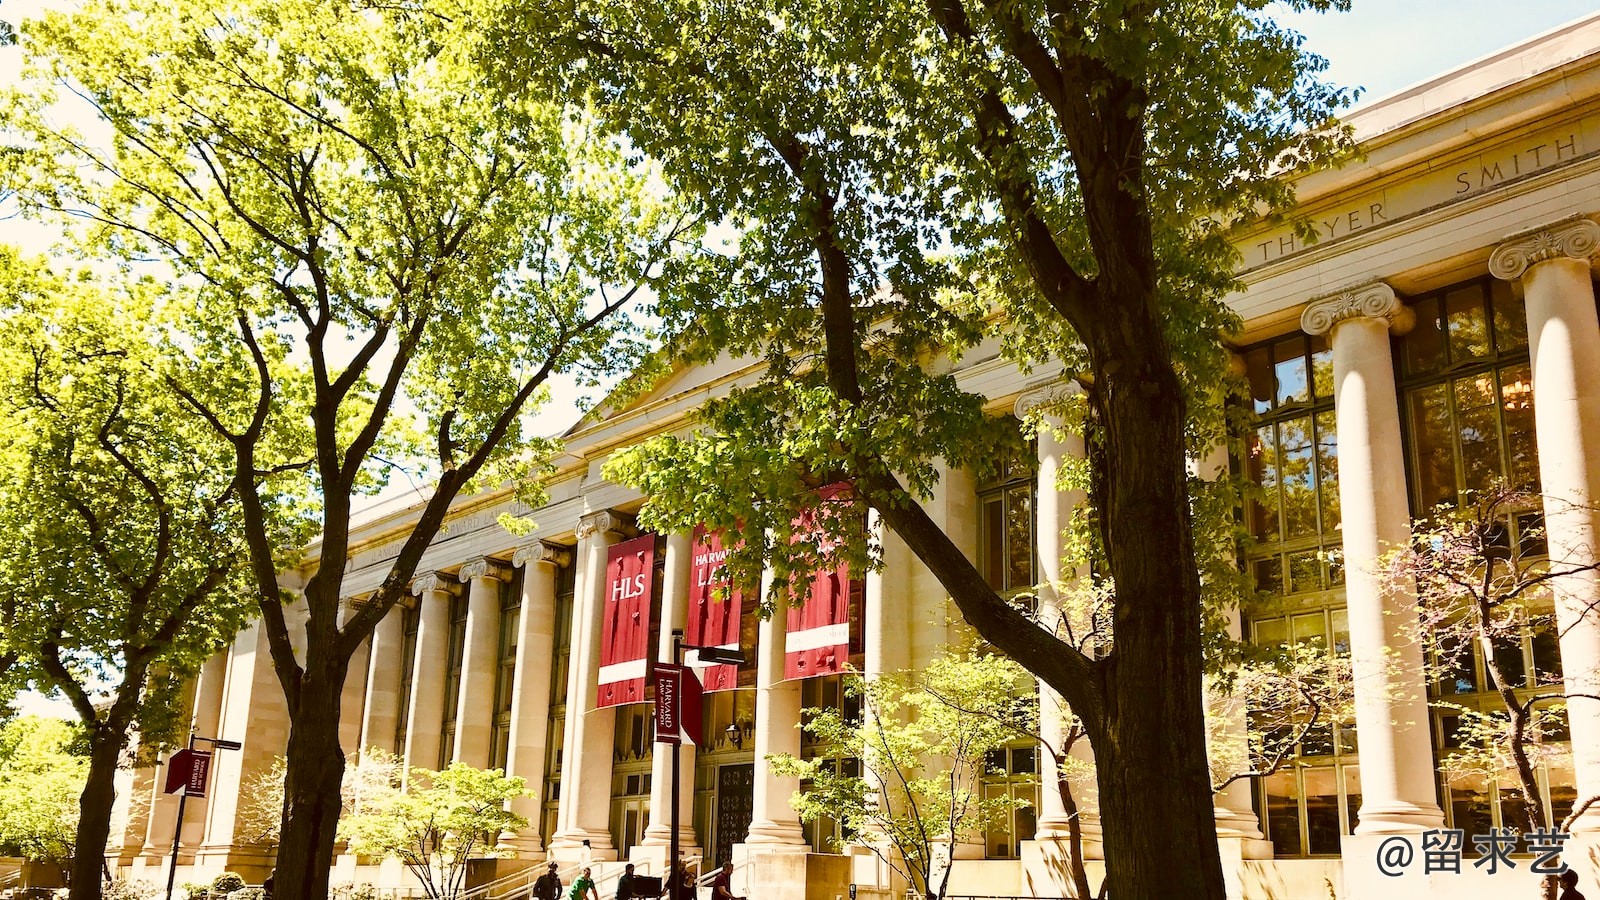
x,y
392,258
121,553
896,171
923,740
42,772
439,822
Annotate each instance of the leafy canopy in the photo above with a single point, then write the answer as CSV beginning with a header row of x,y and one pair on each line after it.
x,y
42,770
121,550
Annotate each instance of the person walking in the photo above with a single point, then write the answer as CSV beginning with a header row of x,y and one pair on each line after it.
x,y
583,887
722,884
626,889
680,883
548,886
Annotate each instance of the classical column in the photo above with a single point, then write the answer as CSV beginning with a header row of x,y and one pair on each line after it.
x,y
380,714
674,612
1397,775
773,822
352,698
479,662
164,806
530,691
1552,264
207,722
584,814
254,713
425,717
1054,508
1234,807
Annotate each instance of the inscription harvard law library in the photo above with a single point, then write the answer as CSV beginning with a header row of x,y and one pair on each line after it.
x,y
1436,182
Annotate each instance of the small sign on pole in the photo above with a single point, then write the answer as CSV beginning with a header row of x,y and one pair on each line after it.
x,y
678,696
188,772
669,703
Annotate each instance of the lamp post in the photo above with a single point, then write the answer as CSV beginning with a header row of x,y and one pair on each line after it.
x,y
194,767
721,656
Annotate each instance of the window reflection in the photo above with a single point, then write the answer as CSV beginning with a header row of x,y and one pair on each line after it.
x,y
1293,460
1468,394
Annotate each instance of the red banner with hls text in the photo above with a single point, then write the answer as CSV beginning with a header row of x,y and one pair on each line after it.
x,y
817,640
713,619
625,622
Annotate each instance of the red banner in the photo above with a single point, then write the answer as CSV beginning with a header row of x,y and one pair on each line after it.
x,y
188,771
817,640
713,621
625,623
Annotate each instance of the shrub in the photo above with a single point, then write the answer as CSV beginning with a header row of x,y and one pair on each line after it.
x,y
226,883
249,893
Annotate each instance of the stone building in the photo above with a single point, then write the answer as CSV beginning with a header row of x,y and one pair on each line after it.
x,y
1440,334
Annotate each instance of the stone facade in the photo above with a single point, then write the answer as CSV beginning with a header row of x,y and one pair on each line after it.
x,y
1481,186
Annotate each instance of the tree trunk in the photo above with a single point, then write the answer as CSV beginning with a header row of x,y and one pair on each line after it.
x,y
1069,804
1156,804
314,771
94,811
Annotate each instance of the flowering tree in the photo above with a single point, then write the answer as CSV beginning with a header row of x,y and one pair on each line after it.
x,y
375,775
1478,589
923,753
437,824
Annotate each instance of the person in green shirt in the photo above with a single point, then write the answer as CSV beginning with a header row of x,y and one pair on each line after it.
x,y
583,887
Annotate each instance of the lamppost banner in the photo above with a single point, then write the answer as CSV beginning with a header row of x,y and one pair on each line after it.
x,y
677,704
188,771
625,625
714,608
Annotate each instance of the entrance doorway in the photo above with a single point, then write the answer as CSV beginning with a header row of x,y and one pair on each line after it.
x,y
735,804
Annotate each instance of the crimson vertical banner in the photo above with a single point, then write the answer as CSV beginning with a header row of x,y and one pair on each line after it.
x,y
817,640
713,620
625,623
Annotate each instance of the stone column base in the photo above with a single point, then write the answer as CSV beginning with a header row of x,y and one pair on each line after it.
x,y
1234,852
1046,868
569,847
651,858
520,845
788,872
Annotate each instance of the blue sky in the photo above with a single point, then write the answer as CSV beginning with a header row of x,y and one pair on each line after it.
x,y
1386,45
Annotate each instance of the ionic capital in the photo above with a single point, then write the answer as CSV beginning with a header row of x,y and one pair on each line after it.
x,y
542,552
1373,300
1573,238
603,521
1047,396
482,567
423,585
